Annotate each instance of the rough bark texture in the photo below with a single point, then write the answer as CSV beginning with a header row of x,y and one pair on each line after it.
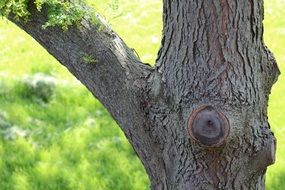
x,y
212,56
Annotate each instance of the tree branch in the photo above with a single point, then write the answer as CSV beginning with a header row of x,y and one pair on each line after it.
x,y
95,55
107,67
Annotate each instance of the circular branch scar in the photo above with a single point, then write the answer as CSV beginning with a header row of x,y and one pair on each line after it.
x,y
208,126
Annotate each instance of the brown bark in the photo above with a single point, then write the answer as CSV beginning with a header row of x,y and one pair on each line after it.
x,y
213,54
198,120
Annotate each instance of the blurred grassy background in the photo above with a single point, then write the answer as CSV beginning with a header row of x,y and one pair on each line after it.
x,y
55,136
274,36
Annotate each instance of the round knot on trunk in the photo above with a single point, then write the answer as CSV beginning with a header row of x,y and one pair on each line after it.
x,y
208,126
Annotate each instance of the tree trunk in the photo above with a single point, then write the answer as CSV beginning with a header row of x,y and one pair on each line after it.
x,y
198,119
215,75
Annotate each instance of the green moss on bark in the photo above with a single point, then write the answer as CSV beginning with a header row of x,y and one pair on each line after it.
x,y
61,13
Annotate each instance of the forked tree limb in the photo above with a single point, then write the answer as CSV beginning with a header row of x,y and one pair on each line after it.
x,y
199,119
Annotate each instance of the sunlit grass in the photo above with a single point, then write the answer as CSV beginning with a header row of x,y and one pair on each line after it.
x,y
69,142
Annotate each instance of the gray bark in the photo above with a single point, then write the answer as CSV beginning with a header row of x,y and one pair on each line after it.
x,y
198,119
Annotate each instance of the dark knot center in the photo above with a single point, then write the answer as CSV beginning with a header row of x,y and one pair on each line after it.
x,y
208,126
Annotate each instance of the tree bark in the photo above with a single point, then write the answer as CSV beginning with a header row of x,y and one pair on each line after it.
x,y
213,54
198,119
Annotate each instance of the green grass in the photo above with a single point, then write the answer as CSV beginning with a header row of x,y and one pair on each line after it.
x,y
68,141
58,148
274,26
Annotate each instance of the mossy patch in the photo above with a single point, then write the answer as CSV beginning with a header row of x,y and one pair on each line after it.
x,y
88,59
61,13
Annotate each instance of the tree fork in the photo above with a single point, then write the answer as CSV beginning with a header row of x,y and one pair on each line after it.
x,y
198,119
